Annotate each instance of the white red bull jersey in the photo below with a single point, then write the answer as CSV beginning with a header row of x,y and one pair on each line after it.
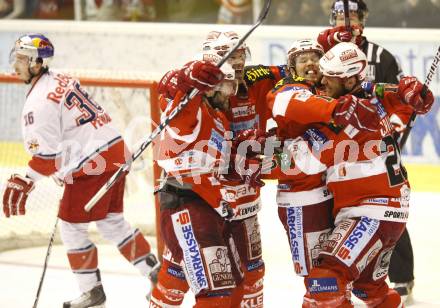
x,y
66,131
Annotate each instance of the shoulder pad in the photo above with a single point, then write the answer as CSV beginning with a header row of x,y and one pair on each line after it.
x,y
290,80
252,74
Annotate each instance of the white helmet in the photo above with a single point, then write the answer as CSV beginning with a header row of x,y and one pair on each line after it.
x,y
344,60
221,42
37,47
301,46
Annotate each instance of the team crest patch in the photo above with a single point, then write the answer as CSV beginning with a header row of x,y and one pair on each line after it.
x,y
219,267
254,238
33,146
382,264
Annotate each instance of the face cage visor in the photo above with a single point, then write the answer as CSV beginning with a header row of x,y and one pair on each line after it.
x,y
353,7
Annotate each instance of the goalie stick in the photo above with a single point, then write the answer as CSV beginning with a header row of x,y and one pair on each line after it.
x,y
124,168
412,119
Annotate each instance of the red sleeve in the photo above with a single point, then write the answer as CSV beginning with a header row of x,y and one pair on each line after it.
x,y
288,103
43,166
186,120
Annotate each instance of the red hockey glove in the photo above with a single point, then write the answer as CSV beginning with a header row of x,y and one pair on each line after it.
x,y
357,112
17,190
244,163
202,75
168,84
410,90
244,170
330,37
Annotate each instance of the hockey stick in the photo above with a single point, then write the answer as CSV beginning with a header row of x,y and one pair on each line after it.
x,y
428,80
171,116
346,16
46,260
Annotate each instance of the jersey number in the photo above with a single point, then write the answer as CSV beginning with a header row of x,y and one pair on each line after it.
x,y
396,172
29,119
80,98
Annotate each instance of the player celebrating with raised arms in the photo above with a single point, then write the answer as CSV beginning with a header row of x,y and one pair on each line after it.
x,y
242,102
71,137
304,202
364,173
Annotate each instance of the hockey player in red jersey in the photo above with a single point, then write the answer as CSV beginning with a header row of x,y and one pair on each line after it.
x,y
364,173
245,108
304,202
69,136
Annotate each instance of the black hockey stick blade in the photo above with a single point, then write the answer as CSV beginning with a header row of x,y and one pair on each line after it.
x,y
124,168
412,120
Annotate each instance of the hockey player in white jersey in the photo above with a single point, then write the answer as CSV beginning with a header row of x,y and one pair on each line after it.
x,y
71,137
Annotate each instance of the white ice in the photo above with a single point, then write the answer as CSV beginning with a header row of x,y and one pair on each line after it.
x,y
20,270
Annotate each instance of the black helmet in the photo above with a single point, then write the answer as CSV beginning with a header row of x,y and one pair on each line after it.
x,y
357,6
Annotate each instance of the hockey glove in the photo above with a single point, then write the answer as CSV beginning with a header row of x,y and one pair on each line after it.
x,y
357,112
245,163
17,190
168,84
410,92
330,37
202,75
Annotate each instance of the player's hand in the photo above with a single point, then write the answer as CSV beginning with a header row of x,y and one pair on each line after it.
x,y
245,163
330,37
255,140
168,84
357,112
244,170
410,92
17,190
202,75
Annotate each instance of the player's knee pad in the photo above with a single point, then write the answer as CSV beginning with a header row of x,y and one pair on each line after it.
x,y
304,238
327,288
114,228
213,300
249,292
391,299
170,288
74,235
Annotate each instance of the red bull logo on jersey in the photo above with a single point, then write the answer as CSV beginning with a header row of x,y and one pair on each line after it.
x,y
296,239
191,253
357,240
58,93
